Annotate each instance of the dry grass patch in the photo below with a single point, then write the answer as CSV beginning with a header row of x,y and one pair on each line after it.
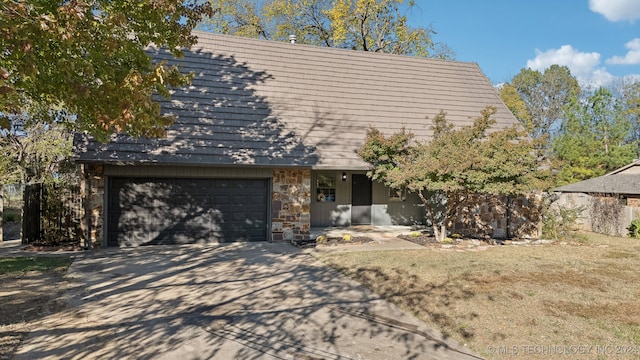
x,y
513,295
30,290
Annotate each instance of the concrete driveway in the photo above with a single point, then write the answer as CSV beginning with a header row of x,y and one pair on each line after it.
x,y
237,301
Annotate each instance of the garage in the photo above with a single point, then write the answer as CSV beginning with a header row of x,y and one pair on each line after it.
x,y
147,211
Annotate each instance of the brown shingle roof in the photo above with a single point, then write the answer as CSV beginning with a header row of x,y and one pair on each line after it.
x,y
269,103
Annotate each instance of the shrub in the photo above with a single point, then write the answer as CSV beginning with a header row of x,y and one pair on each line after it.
x,y
559,222
606,215
415,234
634,229
321,239
347,238
11,216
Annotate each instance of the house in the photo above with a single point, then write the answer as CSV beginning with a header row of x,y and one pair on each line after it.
x,y
264,145
619,188
622,183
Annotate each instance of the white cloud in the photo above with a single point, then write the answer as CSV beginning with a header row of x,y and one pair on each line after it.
x,y
599,77
616,10
584,66
580,63
632,57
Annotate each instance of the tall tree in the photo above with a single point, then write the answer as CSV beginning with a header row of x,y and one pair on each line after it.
x,y
545,94
513,100
86,58
368,25
595,137
630,98
32,151
456,164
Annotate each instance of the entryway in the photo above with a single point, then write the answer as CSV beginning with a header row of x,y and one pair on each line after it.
x,y
361,199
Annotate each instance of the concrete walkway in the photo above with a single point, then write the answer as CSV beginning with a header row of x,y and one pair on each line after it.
x,y
237,301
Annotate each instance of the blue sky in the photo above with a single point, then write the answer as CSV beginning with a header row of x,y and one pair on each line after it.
x,y
599,40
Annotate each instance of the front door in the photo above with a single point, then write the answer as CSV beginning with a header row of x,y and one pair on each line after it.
x,y
360,199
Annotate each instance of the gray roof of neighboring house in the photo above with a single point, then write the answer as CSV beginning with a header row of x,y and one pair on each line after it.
x,y
620,181
266,103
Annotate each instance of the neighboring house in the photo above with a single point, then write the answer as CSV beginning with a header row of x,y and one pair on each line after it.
x,y
264,146
620,188
623,184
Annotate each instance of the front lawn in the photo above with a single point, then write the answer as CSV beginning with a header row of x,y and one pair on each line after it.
x,y
19,265
509,301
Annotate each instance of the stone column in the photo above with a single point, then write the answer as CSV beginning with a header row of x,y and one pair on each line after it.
x,y
290,205
92,189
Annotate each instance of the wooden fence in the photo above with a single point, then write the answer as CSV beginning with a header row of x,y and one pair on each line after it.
x,y
51,214
612,222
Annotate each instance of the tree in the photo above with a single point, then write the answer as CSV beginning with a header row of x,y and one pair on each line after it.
x,y
35,152
595,137
368,25
513,100
545,94
630,98
87,59
500,162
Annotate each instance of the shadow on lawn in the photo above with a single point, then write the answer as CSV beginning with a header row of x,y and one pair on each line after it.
x,y
408,291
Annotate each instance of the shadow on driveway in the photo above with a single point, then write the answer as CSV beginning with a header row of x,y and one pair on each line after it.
x,y
237,301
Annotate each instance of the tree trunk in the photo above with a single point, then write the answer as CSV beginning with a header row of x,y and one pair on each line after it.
x,y
443,232
439,233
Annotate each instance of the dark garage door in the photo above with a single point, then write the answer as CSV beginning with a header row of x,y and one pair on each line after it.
x,y
144,211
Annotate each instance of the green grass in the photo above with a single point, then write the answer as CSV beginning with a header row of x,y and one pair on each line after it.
x,y
20,265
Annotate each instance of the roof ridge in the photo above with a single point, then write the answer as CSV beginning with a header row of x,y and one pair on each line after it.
x,y
283,44
625,167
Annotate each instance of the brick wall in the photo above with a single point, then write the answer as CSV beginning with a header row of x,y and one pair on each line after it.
x,y
290,205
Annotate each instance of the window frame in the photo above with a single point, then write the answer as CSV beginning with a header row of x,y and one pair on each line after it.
x,y
396,195
326,193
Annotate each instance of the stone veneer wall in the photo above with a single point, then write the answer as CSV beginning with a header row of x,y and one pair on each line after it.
x,y
489,216
290,205
92,189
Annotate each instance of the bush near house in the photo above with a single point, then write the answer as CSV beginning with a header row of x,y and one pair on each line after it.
x,y
560,222
11,215
456,165
634,229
